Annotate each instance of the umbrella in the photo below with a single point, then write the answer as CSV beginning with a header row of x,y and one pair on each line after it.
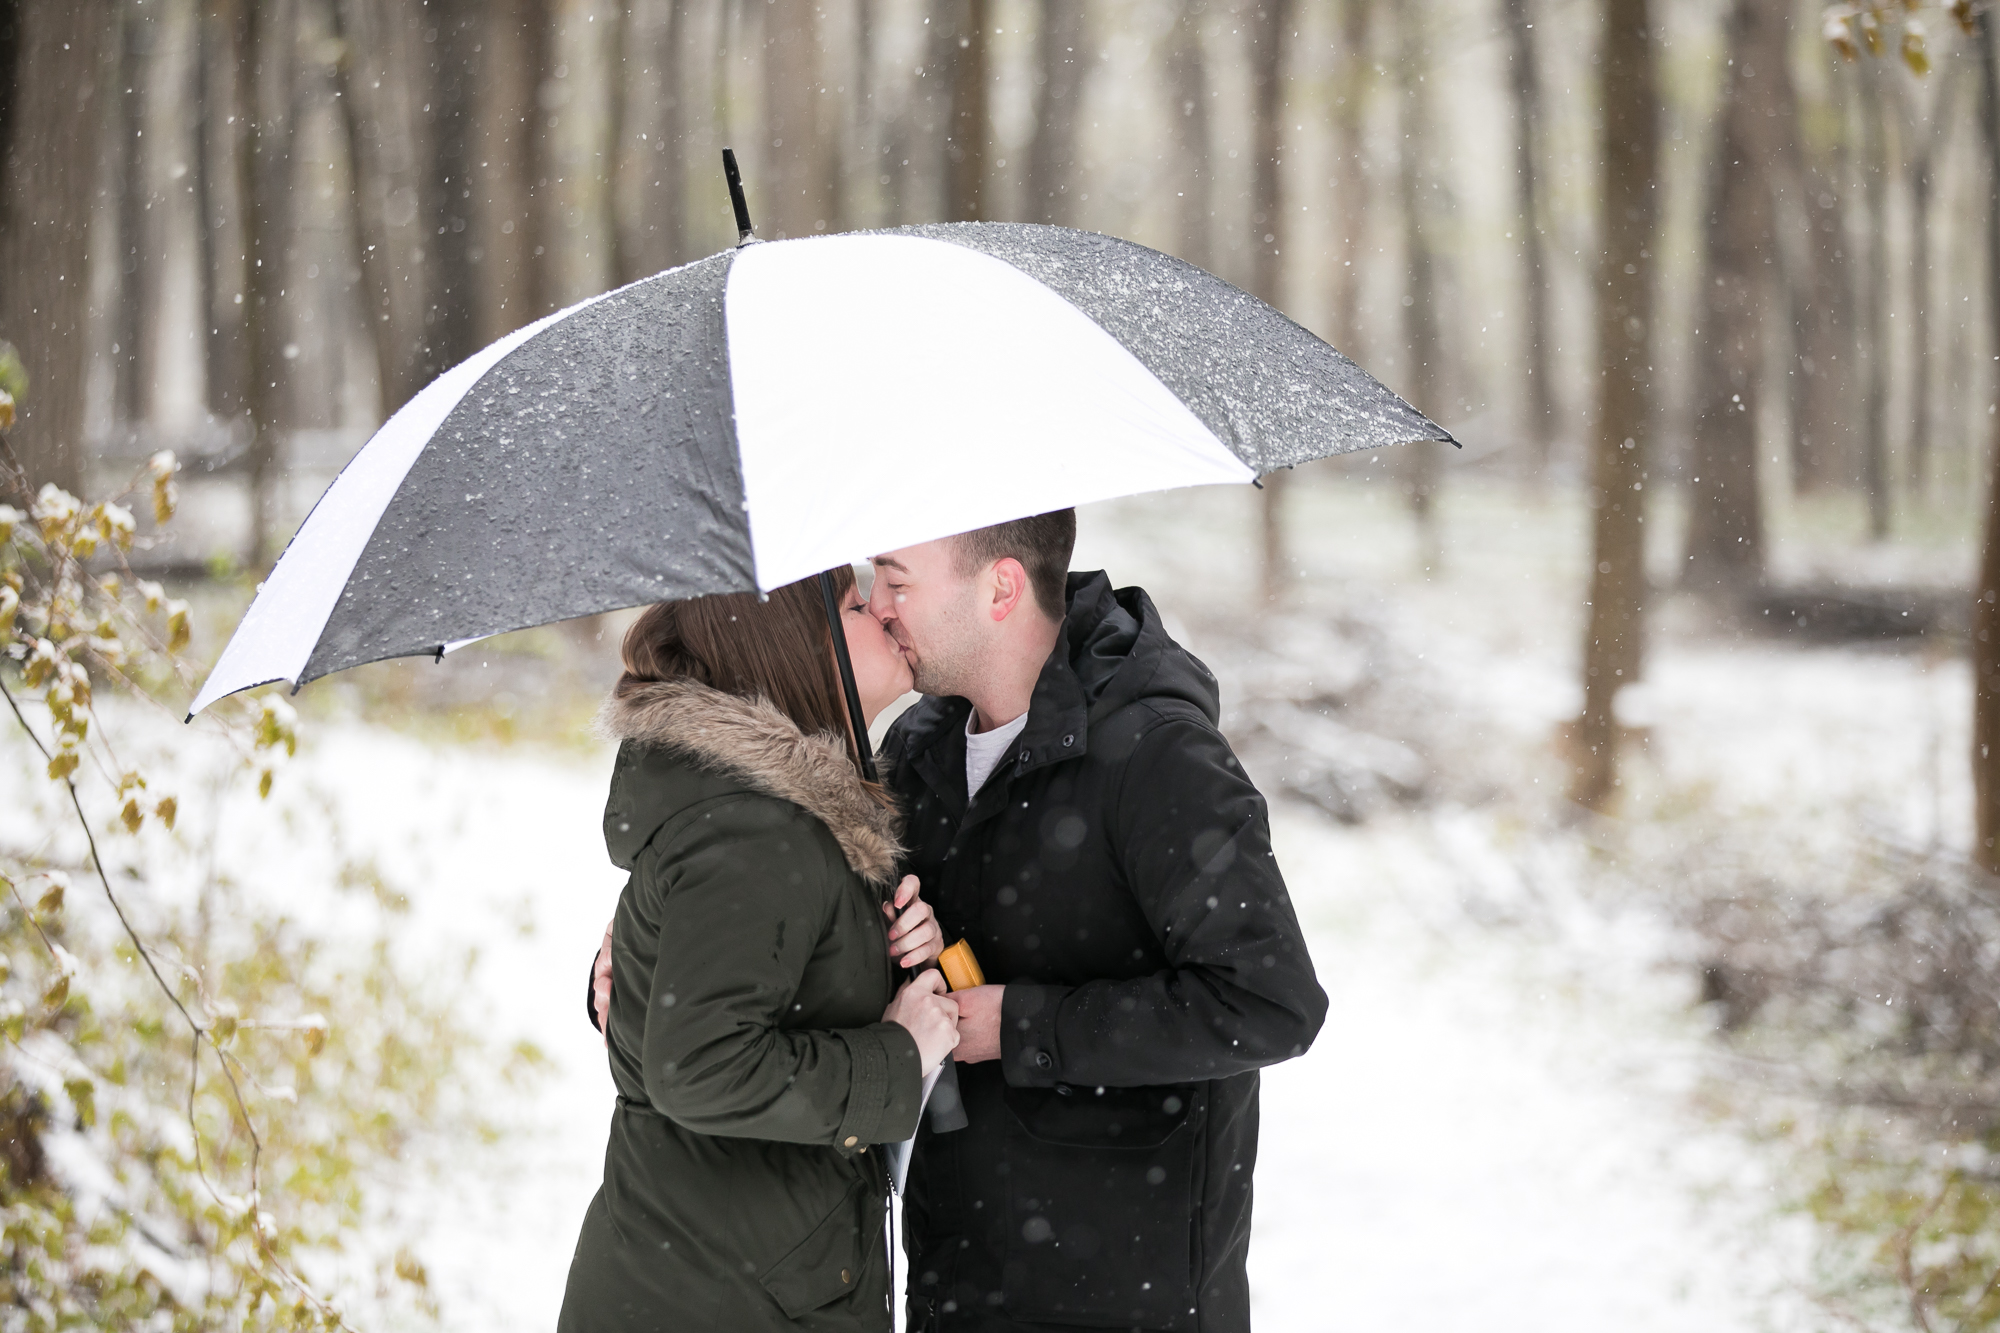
x,y
783,408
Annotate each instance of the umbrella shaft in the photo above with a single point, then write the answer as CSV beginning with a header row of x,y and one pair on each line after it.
x,y
862,749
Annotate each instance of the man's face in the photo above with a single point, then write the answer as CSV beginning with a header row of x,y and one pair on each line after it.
x,y
931,610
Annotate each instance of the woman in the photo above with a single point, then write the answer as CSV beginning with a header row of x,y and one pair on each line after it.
x,y
760,1047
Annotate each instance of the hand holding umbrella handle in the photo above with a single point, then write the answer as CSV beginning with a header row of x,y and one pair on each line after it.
x,y
946,1108
960,968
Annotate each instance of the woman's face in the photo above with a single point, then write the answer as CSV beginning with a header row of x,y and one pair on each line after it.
x,y
880,673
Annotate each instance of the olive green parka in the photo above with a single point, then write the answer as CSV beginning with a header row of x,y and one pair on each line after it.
x,y
743,1188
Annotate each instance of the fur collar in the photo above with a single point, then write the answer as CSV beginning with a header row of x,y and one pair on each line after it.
x,y
752,741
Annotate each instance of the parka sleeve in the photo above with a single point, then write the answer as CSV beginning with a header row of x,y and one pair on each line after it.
x,y
1192,837
743,897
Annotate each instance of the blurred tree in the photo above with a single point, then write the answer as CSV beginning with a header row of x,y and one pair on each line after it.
x,y
1356,76
1725,534
960,43
799,120
507,214
1872,323
385,155
451,32
54,61
1925,139
266,65
1187,87
581,99
1421,344
1986,601
1526,87
861,154
1269,23
1821,305
225,353
135,245
1613,639
1062,58
652,165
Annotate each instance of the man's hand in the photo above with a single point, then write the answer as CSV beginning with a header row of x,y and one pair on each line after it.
x,y
600,984
978,1023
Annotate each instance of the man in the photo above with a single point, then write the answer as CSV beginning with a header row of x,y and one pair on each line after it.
x,y
1073,811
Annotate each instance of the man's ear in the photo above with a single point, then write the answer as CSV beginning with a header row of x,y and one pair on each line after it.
x,y
1009,583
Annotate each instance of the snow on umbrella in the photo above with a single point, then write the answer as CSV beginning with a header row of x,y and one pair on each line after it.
x,y
787,407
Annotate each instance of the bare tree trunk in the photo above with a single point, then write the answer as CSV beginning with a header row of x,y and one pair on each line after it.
x,y
1613,641
135,33
1061,59
382,87
1351,206
1917,463
653,165
1725,535
799,117
1420,327
264,181
1270,23
225,273
1527,90
1187,81
50,108
450,329
1874,274
1925,145
861,155
1986,603
508,212
968,123
1822,314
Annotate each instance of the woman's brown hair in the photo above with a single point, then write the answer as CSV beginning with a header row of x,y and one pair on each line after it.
x,y
777,648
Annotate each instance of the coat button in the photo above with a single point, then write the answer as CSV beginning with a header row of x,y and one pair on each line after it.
x,y
1042,1060
846,1276
851,1141
1068,741
1024,756
1065,1090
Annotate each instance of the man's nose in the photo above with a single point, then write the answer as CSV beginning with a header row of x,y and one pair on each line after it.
x,y
880,604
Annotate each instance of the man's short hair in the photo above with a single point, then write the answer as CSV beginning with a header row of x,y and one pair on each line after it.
x,y
1042,544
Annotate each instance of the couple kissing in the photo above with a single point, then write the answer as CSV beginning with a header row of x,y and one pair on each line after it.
x,y
1062,800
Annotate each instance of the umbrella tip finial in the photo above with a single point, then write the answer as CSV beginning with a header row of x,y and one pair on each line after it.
x,y
744,234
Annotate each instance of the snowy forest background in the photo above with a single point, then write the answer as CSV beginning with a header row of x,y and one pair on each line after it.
x,y
1636,769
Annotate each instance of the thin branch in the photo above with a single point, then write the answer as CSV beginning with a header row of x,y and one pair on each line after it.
x,y
1985,1294
1904,1242
200,1033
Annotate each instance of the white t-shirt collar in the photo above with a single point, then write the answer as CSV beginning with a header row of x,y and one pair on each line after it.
x,y
984,750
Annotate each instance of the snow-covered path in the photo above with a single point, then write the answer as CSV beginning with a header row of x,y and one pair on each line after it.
x,y
1485,1137
1492,1133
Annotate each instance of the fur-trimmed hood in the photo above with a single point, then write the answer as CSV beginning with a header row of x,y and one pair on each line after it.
x,y
753,742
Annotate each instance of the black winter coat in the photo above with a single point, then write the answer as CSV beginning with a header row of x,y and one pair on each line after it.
x,y
1117,876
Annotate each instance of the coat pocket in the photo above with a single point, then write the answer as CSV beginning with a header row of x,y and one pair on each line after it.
x,y
1102,1200
833,1260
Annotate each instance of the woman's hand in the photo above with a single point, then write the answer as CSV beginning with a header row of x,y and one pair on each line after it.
x,y
929,1014
914,936
600,983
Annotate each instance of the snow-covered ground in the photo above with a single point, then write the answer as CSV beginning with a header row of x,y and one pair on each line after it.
x,y
1496,1128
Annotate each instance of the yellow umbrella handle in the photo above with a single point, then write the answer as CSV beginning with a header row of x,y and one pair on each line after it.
x,y
961,969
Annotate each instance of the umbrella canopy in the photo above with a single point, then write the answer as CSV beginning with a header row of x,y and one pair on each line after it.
x,y
786,407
